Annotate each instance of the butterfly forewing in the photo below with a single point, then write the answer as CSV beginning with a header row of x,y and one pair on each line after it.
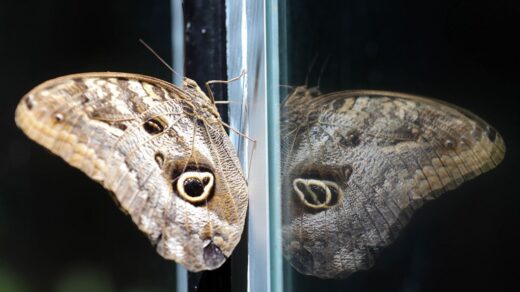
x,y
160,149
357,164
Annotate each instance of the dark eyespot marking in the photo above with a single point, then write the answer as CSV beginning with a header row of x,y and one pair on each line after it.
x,y
316,194
120,126
29,102
154,126
450,144
350,140
347,171
334,198
193,187
58,117
300,185
159,158
309,197
319,187
320,194
491,133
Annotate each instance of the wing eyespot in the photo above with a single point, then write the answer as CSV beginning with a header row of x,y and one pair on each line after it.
x,y
29,102
159,158
120,126
491,134
155,126
317,194
58,117
350,140
450,144
195,186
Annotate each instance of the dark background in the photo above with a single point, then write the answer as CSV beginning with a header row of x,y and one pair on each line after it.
x,y
464,52
58,228
59,231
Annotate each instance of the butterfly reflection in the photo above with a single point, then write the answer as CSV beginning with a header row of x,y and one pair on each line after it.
x,y
358,164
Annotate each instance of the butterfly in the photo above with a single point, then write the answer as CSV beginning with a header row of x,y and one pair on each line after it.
x,y
160,149
358,164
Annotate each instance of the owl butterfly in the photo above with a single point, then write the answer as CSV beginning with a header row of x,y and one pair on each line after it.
x,y
161,150
358,164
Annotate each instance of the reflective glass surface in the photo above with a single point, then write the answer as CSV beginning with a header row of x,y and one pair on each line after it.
x,y
368,200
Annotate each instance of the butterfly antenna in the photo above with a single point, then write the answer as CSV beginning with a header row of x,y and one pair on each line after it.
x,y
160,59
323,70
310,69
286,86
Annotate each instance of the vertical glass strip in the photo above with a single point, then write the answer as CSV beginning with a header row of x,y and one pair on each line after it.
x,y
273,135
248,112
236,52
177,23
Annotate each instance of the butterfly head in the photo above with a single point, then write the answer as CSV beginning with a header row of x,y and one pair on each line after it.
x,y
300,95
202,104
192,87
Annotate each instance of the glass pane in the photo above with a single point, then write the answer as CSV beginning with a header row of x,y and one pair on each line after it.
x,y
363,173
247,53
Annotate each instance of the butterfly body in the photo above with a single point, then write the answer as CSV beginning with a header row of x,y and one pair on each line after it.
x,y
357,164
159,148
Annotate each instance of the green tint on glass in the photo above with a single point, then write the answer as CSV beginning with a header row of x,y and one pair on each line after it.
x,y
273,126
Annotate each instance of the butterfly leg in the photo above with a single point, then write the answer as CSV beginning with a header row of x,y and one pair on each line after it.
x,y
210,92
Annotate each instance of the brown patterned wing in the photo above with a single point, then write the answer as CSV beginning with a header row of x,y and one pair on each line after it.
x,y
160,149
357,164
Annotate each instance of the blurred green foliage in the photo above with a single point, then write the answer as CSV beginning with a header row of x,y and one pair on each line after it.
x,y
85,279
10,281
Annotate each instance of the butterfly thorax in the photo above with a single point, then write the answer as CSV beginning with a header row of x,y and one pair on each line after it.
x,y
301,95
201,105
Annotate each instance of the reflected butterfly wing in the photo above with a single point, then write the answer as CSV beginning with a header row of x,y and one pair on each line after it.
x,y
357,164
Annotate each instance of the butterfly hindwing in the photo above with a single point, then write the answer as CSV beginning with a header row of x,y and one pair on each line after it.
x,y
160,149
357,164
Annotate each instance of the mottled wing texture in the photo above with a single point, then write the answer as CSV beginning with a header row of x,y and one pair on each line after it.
x,y
160,149
358,164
